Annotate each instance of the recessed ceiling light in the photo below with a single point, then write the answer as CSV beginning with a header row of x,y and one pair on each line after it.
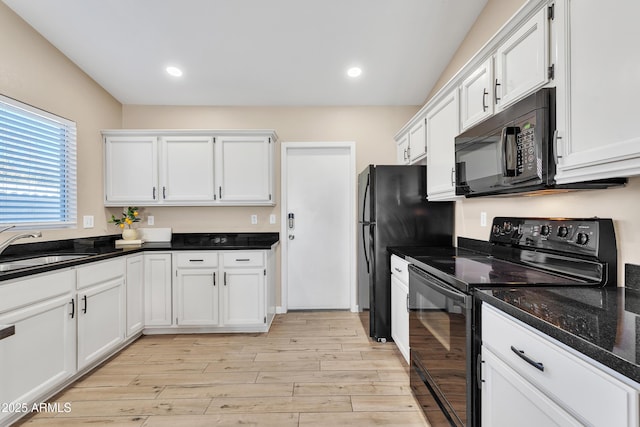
x,y
354,72
174,71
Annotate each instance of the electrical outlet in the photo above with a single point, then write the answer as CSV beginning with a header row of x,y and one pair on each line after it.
x,y
150,220
272,219
483,219
87,221
254,219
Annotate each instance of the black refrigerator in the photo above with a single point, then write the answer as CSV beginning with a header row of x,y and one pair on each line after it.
x,y
393,211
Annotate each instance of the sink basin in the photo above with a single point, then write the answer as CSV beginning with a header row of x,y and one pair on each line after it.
x,y
37,261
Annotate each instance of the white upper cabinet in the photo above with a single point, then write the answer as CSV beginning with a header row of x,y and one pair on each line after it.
x,y
412,142
522,61
418,140
476,95
403,149
245,172
131,169
442,128
188,168
598,90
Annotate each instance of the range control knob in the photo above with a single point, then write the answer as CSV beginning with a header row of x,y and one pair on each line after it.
x,y
582,239
507,227
563,231
545,230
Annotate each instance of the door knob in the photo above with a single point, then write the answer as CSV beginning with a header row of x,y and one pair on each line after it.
x,y
291,237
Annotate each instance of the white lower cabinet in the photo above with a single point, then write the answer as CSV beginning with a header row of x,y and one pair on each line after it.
x,y
243,297
42,352
101,310
510,400
224,289
529,379
135,294
399,313
157,289
197,288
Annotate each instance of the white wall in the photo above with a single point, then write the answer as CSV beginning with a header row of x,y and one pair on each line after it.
x,y
34,72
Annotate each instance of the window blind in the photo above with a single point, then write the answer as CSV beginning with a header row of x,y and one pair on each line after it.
x,y
37,167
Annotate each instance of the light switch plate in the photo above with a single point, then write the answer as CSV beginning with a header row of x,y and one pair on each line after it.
x,y
254,219
483,219
87,221
272,219
150,220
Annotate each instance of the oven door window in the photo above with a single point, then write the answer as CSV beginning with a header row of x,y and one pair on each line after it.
x,y
438,327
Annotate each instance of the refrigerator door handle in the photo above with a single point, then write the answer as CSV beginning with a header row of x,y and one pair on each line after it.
x,y
364,199
364,246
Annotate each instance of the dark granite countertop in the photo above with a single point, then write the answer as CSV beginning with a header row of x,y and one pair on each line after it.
x,y
103,247
603,324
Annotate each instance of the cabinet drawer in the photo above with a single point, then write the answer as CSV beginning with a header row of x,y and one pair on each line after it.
x,y
100,272
580,387
196,259
400,269
243,259
21,292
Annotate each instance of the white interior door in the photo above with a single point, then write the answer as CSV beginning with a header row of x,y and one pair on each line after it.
x,y
318,188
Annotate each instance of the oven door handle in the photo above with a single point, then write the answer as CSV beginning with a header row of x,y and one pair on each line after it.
x,y
434,283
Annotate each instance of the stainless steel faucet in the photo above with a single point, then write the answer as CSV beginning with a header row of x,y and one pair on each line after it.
x,y
4,245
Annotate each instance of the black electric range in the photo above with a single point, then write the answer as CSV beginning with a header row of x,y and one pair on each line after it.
x,y
444,321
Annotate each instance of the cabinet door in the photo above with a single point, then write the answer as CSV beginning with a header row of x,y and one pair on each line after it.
x,y
131,170
403,150
101,321
417,141
509,400
187,169
522,61
400,316
442,128
476,94
598,91
245,174
157,289
197,296
41,354
135,294
243,297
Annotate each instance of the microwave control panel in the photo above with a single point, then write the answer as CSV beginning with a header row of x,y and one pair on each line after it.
x,y
529,163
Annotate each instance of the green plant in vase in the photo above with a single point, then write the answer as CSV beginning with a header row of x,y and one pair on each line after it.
x,y
130,216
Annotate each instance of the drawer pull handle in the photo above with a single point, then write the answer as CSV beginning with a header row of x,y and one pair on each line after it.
x,y
243,259
527,359
397,269
196,260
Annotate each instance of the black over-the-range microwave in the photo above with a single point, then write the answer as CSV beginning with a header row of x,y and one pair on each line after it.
x,y
514,151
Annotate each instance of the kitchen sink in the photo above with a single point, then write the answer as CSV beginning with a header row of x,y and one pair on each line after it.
x,y
38,261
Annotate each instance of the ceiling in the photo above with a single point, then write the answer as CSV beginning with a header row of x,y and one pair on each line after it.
x,y
257,52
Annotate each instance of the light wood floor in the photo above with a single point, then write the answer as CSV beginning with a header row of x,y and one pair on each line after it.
x,y
311,369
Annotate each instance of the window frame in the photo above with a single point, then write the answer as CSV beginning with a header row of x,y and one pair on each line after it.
x,y
67,202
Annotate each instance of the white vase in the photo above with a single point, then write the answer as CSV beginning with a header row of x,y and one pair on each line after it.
x,y
129,234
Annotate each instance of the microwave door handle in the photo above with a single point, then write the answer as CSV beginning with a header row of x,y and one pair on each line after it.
x,y
503,150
